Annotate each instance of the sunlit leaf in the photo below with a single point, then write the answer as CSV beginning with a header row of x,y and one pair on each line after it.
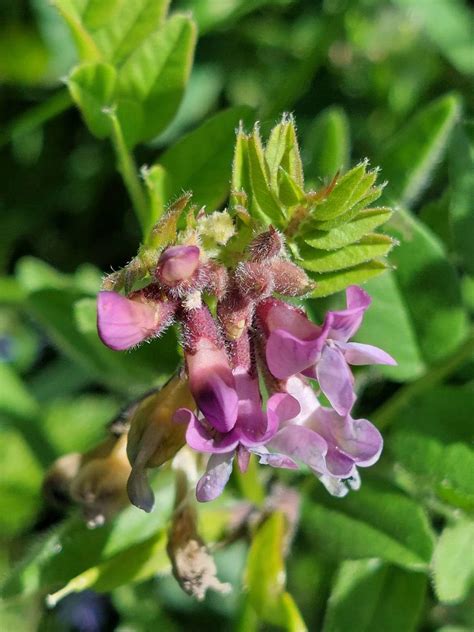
x,y
410,159
374,522
152,80
369,596
453,562
369,247
200,161
92,87
331,282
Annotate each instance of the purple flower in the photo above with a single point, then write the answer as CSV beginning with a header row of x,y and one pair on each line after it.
x,y
295,345
211,381
331,445
252,430
125,322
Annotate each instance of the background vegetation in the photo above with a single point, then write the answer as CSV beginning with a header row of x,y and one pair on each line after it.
x,y
388,80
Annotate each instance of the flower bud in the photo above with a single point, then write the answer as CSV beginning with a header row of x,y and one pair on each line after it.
x,y
100,484
154,438
210,377
289,279
125,322
266,246
176,264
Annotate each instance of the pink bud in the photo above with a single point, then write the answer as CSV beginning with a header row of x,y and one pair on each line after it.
x,y
177,264
125,322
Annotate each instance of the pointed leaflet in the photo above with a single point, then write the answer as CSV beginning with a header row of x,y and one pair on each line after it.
x,y
373,194
262,194
92,86
331,282
85,44
369,247
363,223
199,162
411,157
281,150
152,80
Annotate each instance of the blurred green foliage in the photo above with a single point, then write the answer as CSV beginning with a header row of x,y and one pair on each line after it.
x,y
390,80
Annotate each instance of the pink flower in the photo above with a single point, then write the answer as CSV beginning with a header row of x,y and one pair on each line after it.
x,y
295,345
252,430
331,445
125,322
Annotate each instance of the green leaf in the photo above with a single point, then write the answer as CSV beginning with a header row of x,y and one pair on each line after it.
x,y
369,247
282,151
85,44
135,564
365,222
410,158
71,548
430,287
327,144
374,522
129,26
390,313
461,215
289,192
266,576
263,196
96,13
92,86
157,182
349,190
453,562
373,194
331,282
152,80
436,454
199,162
369,596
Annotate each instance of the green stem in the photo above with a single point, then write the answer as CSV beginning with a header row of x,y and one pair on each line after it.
x,y
384,415
128,171
36,116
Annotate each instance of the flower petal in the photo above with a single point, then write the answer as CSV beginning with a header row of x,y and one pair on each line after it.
x,y
344,323
357,439
303,392
218,471
123,323
177,263
287,355
200,439
301,444
335,380
356,353
213,385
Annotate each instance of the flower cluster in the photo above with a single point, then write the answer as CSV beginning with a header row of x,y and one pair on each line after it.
x,y
252,346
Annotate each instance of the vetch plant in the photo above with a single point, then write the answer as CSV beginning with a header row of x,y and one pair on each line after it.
x,y
292,389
